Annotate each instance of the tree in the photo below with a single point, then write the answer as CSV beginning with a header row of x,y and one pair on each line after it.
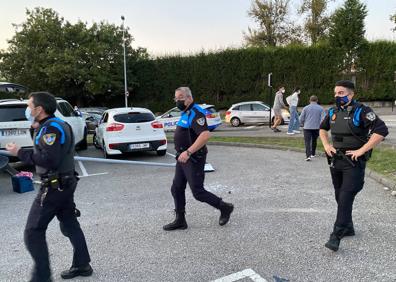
x,y
347,31
274,27
49,53
317,22
393,19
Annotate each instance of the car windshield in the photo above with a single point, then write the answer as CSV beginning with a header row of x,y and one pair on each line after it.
x,y
12,113
134,117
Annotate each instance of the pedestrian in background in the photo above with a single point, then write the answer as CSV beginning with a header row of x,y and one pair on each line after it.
x,y
311,117
294,123
278,106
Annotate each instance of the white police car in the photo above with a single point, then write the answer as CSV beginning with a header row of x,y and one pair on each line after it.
x,y
124,130
14,127
171,117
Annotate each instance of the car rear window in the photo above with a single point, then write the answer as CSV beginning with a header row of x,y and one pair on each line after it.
x,y
12,113
211,109
134,117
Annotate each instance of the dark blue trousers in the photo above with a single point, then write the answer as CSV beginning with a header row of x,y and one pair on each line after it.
x,y
192,173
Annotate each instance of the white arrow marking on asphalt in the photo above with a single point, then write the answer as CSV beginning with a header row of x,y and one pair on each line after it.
x,y
247,273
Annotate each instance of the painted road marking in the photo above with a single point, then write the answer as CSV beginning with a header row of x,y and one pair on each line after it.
x,y
95,174
170,154
247,273
85,172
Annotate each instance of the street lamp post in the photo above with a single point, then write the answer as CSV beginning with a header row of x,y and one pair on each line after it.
x,y
125,74
394,82
269,84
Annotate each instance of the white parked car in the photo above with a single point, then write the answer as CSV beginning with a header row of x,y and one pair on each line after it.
x,y
14,127
252,112
123,130
171,117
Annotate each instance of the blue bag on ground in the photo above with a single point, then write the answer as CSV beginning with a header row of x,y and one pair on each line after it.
x,y
22,184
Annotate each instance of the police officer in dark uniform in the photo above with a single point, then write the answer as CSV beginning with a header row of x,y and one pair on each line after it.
x,y
53,156
190,139
355,131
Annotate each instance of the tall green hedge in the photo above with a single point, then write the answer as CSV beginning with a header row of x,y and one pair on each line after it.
x,y
234,75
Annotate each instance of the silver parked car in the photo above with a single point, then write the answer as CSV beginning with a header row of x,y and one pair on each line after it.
x,y
252,112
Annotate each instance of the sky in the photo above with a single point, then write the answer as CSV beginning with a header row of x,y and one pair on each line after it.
x,y
178,26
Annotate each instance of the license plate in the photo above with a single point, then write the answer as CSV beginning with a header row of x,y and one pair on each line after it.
x,y
13,132
139,146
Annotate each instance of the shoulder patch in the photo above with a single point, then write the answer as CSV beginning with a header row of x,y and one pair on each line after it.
x,y
49,139
371,116
201,121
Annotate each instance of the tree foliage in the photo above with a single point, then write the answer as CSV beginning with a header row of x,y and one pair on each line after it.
x,y
316,22
49,53
275,27
347,31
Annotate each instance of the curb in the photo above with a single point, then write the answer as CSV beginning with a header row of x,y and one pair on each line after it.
x,y
373,175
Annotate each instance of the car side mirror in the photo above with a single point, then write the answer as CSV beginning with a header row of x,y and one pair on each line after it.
x,y
77,113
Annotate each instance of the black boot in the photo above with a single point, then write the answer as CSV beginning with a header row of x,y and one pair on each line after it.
x,y
335,238
77,271
226,209
179,222
350,231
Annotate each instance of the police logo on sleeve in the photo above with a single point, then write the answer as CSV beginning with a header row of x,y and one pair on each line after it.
x,y
371,116
49,139
201,121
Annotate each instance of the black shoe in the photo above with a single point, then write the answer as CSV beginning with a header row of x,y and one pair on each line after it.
x,y
77,271
179,222
226,209
335,238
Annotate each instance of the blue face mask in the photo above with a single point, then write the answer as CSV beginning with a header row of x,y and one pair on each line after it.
x,y
341,101
28,115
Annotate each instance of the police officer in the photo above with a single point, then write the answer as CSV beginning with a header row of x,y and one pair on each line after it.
x,y
355,131
53,157
190,139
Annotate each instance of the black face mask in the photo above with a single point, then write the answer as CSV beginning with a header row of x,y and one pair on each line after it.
x,y
341,101
180,105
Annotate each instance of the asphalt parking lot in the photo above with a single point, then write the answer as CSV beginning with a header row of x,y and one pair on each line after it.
x,y
283,216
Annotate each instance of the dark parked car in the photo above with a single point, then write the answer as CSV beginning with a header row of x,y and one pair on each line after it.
x,y
92,117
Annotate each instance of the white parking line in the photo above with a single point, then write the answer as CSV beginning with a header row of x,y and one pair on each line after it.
x,y
82,167
95,174
169,154
250,127
247,273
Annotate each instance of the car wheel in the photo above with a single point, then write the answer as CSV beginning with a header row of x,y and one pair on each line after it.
x,y
235,122
95,142
161,152
105,155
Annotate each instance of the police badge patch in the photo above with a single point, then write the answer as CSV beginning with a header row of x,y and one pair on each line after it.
x,y
201,121
49,139
371,116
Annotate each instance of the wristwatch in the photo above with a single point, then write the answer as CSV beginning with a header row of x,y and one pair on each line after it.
x,y
188,153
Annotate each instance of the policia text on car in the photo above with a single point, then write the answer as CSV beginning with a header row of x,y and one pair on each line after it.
x,y
355,131
52,155
190,140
